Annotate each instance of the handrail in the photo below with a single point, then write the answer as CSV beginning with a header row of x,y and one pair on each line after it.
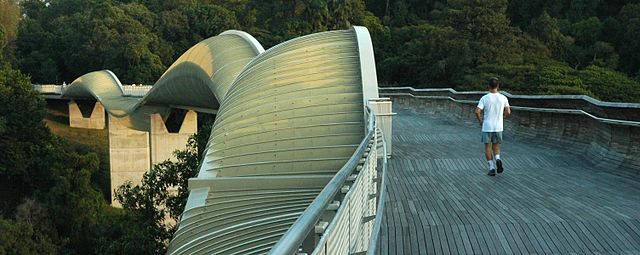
x,y
533,109
373,244
127,90
295,235
582,97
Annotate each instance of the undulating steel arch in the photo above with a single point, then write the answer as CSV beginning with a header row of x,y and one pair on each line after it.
x,y
288,119
199,78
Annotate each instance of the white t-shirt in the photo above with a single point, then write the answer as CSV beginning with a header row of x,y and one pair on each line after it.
x,y
493,105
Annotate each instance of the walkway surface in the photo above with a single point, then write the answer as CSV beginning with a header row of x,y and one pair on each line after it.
x,y
440,200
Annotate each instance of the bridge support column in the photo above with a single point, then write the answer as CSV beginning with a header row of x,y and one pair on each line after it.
x,y
382,107
164,143
129,155
132,153
95,121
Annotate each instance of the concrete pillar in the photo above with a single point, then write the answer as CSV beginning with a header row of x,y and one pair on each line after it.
x,y
384,117
164,143
129,155
132,153
95,121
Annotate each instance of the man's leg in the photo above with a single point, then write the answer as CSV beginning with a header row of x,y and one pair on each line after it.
x,y
496,151
496,148
489,156
487,151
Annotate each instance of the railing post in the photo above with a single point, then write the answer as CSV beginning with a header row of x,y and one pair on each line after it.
x,y
382,107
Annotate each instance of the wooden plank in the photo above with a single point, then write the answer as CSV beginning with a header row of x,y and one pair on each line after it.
x,y
502,239
587,240
543,238
528,239
466,241
484,245
444,242
565,228
383,244
622,235
491,239
514,239
437,240
594,237
616,244
452,240
566,244
635,236
429,240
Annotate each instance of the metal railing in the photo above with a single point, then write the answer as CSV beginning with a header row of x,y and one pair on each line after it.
x,y
127,90
135,91
531,109
451,91
382,187
48,88
340,218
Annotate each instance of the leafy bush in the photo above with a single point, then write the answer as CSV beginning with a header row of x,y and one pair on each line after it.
x,y
610,85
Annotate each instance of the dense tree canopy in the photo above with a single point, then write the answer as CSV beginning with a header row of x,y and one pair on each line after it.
x,y
535,46
418,43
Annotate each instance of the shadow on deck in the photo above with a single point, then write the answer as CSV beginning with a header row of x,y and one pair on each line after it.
x,y
548,200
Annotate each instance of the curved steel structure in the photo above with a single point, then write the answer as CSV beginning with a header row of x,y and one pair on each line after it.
x,y
289,122
199,78
288,119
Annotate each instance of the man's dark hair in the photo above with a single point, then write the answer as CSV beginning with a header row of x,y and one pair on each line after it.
x,y
493,82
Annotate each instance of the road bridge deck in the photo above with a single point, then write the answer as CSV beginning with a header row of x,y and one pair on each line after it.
x,y
548,201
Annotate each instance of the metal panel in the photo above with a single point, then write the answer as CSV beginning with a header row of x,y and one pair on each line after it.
x,y
288,119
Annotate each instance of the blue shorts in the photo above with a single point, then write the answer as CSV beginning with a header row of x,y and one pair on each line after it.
x,y
491,137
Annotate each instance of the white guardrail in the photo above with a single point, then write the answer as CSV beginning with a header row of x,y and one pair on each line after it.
x,y
48,88
345,217
127,90
534,109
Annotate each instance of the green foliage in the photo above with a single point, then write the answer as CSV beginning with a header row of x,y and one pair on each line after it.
x,y
20,237
9,18
43,180
461,43
417,42
564,90
629,39
125,232
485,28
22,135
559,75
586,32
610,85
582,9
205,21
426,54
3,39
100,36
514,78
155,204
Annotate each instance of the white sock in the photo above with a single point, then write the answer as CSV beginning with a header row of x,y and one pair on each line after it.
x,y
490,162
497,156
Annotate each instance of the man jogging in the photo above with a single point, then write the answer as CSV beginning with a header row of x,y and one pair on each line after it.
x,y
492,109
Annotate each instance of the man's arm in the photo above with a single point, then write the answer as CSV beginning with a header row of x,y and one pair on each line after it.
x,y
507,111
479,115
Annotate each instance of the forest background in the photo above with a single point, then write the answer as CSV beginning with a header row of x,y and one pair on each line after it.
x,y
589,47
53,192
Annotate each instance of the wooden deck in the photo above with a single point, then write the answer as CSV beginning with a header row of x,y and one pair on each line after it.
x,y
440,200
